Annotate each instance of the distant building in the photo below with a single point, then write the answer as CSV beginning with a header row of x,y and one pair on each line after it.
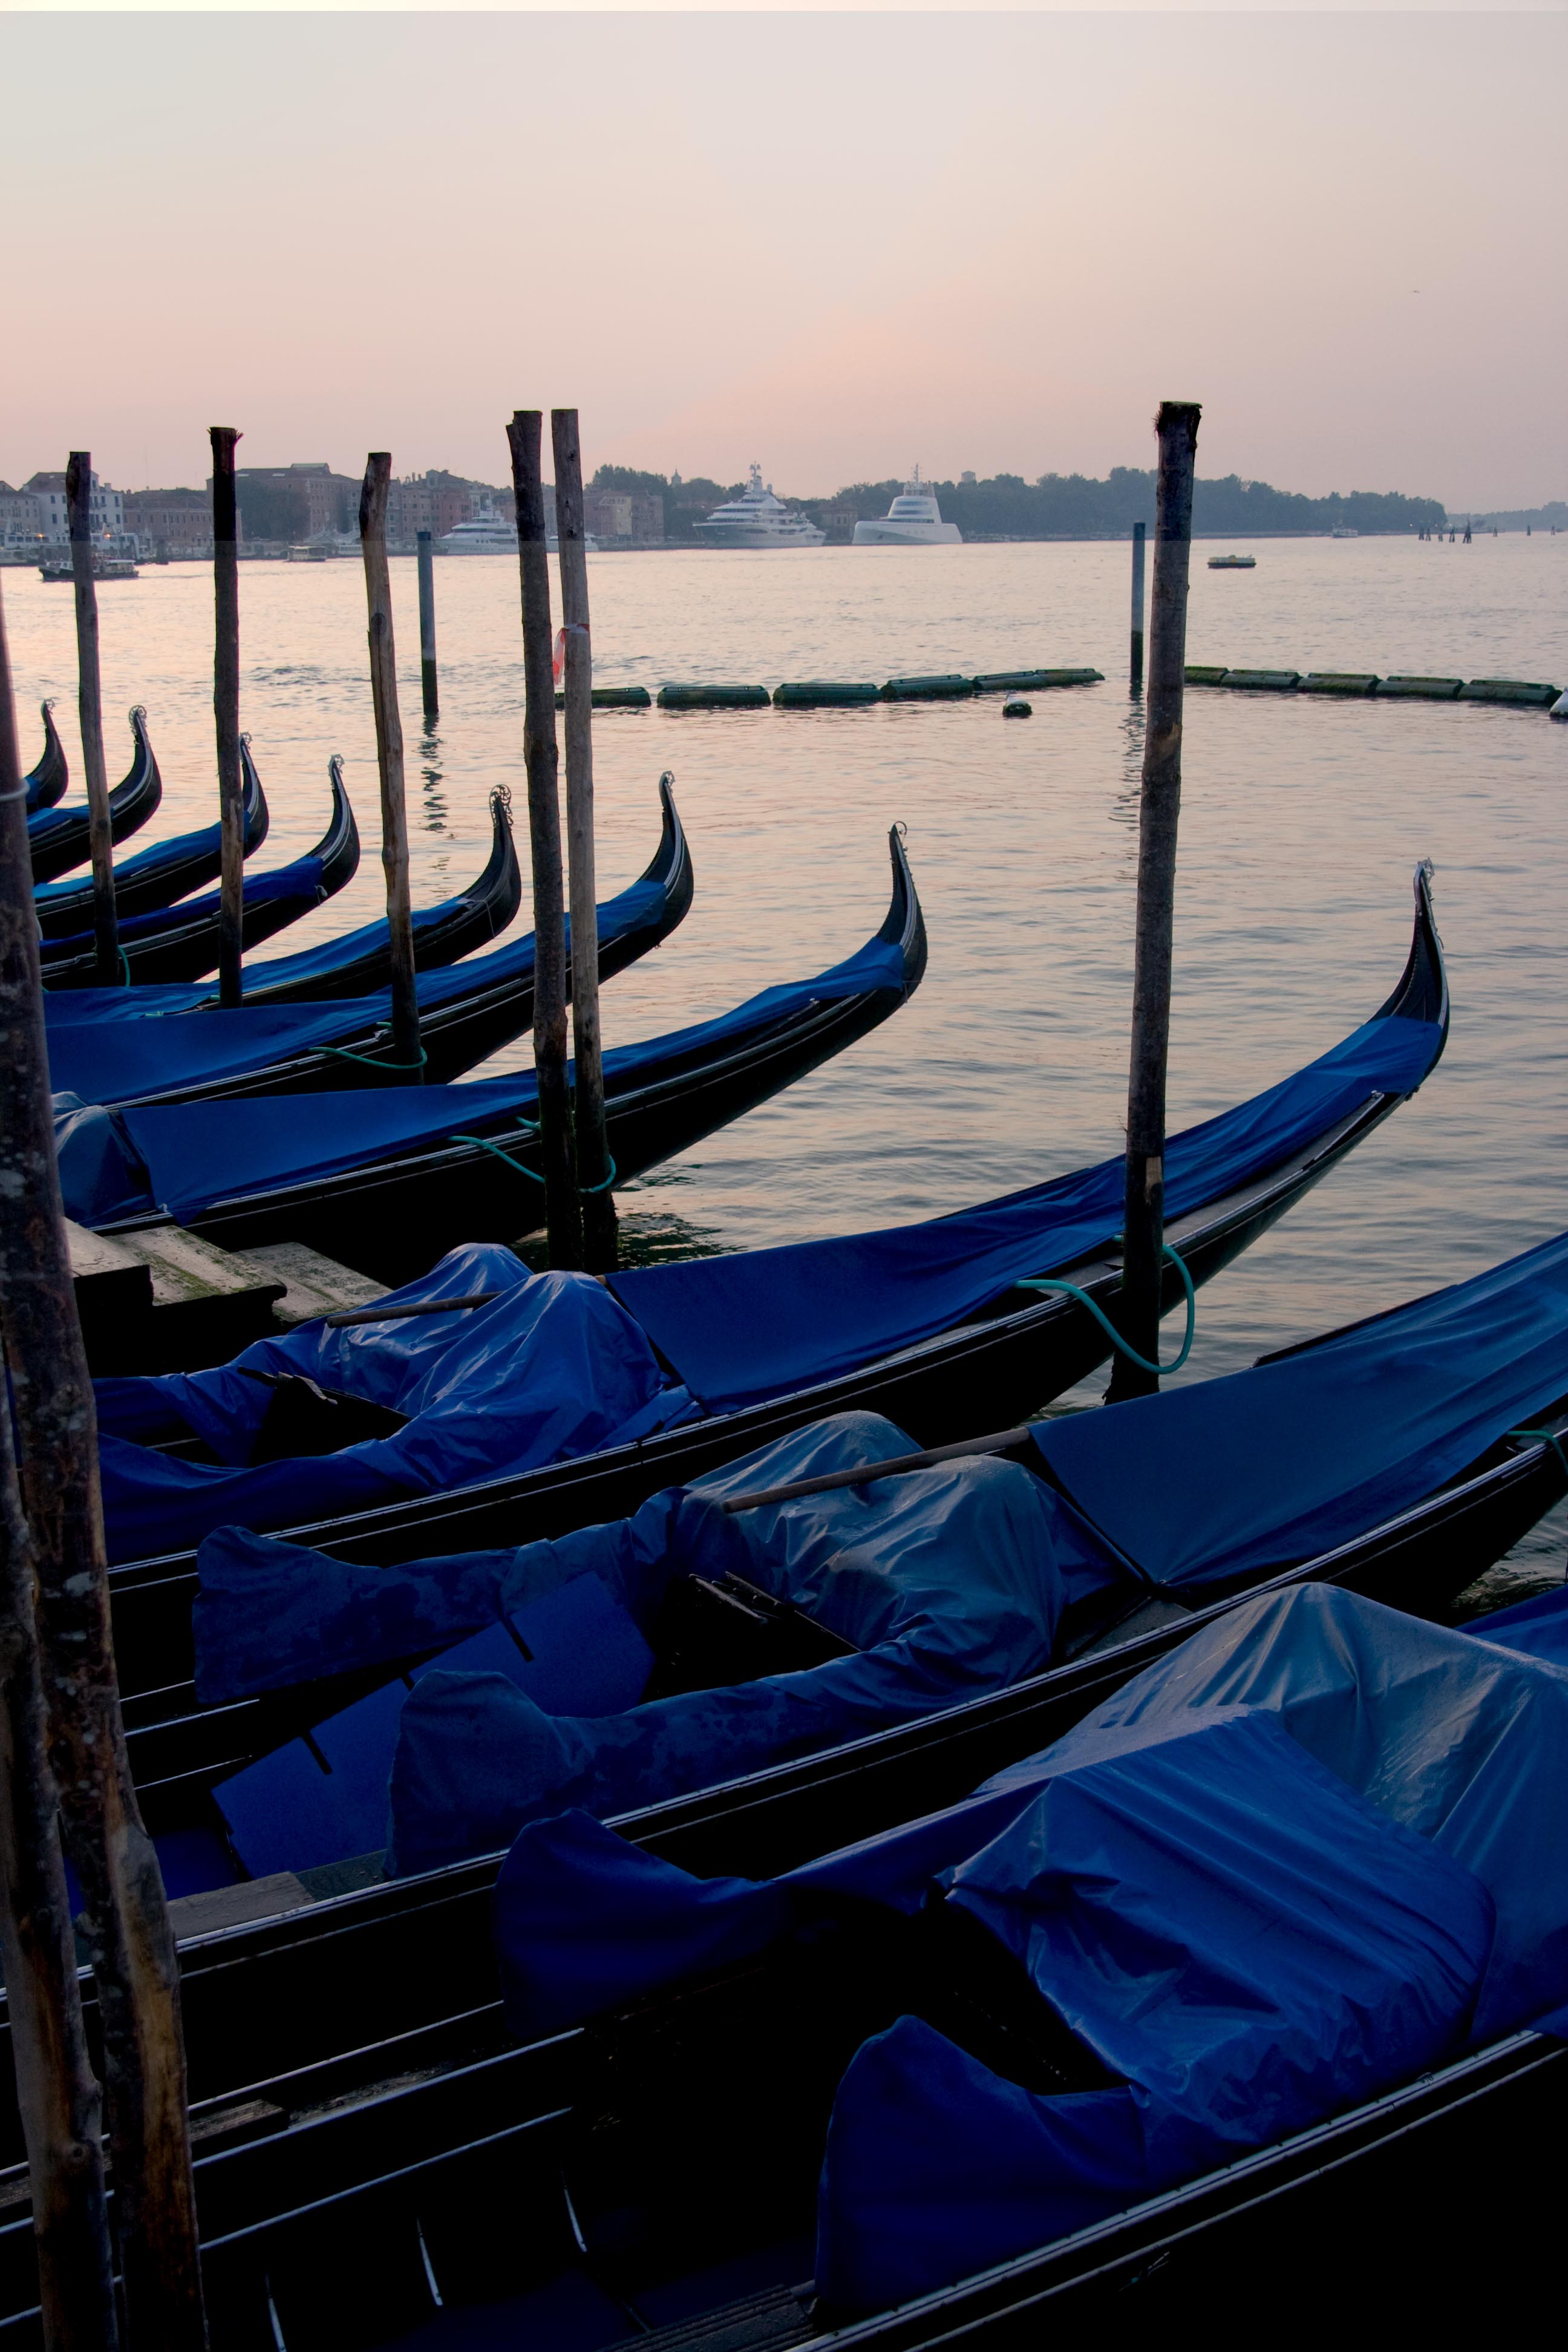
x,y
966,480
172,522
106,508
437,502
618,515
21,517
331,502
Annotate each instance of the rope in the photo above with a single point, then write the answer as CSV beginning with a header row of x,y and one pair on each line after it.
x,y
124,967
1545,1437
346,1054
587,1189
485,1144
1049,1282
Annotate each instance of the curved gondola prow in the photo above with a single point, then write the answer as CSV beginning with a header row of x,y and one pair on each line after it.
x,y
905,926
498,892
338,847
670,865
136,797
46,783
258,815
1423,991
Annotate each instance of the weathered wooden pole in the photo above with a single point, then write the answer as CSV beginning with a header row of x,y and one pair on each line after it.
x,y
1143,1228
226,711
405,1051
428,626
89,704
563,1215
127,1920
596,1174
1135,675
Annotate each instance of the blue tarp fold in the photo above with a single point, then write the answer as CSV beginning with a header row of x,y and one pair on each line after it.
x,y
768,1321
552,1367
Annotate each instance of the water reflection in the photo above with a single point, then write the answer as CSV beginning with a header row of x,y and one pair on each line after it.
x,y
433,806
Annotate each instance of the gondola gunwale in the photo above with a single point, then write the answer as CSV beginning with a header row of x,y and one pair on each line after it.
x,y
184,945
61,841
654,1462
47,782
156,877
454,1037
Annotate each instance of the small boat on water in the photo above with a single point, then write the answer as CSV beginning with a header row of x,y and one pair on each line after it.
x,y
914,519
1233,562
758,518
306,554
58,569
1343,530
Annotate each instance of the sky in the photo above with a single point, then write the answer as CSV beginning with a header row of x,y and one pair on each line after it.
x,y
838,244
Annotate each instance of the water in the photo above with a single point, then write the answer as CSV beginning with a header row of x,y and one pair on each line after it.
x,y
1301,824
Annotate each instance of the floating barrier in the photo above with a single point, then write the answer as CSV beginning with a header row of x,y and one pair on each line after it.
x,y
615,697
1017,707
1523,694
823,694
1526,695
1014,681
945,687
712,697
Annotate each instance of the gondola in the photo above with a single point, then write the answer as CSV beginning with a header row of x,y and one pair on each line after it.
x,y
358,960
381,1182
174,943
46,783
389,1993
58,836
155,877
992,1352
465,1014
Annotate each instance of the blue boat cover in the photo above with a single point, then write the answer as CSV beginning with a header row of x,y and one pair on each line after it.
x,y
300,880
632,910
1314,1850
948,1583
552,1367
767,1321
1205,1484
185,1157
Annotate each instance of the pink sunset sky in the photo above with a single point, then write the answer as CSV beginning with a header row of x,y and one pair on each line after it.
x,y
835,243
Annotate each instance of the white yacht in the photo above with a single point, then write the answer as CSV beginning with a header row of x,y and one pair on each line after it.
x,y
493,534
914,519
756,518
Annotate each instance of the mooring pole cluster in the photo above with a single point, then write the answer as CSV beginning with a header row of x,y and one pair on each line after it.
x,y
1143,1228
62,1748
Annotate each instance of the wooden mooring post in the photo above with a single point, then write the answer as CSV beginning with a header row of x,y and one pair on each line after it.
x,y
406,1053
226,712
126,1918
1135,673
1143,1228
428,626
596,1170
564,1214
90,708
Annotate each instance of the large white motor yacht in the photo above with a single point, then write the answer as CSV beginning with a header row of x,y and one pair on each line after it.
x,y
493,534
914,519
756,518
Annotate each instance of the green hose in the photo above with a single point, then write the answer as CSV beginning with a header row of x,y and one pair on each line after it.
x,y
1071,1290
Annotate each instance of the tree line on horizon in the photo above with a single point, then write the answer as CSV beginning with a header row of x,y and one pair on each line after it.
x,y
1058,506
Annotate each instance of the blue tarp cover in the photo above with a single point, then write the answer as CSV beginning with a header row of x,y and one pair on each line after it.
x,y
184,1157
300,880
1313,1851
552,1367
948,1583
767,1321
1224,1478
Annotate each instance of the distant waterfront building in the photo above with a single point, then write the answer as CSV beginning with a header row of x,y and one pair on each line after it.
x,y
619,515
106,507
966,480
330,501
172,522
437,502
21,517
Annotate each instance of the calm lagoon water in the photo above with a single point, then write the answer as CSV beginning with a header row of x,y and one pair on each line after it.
x,y
1301,823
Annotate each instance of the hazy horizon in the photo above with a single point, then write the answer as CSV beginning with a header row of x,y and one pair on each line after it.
x,y
839,245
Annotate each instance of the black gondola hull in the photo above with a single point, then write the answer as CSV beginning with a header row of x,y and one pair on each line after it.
x,y
58,836
155,879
